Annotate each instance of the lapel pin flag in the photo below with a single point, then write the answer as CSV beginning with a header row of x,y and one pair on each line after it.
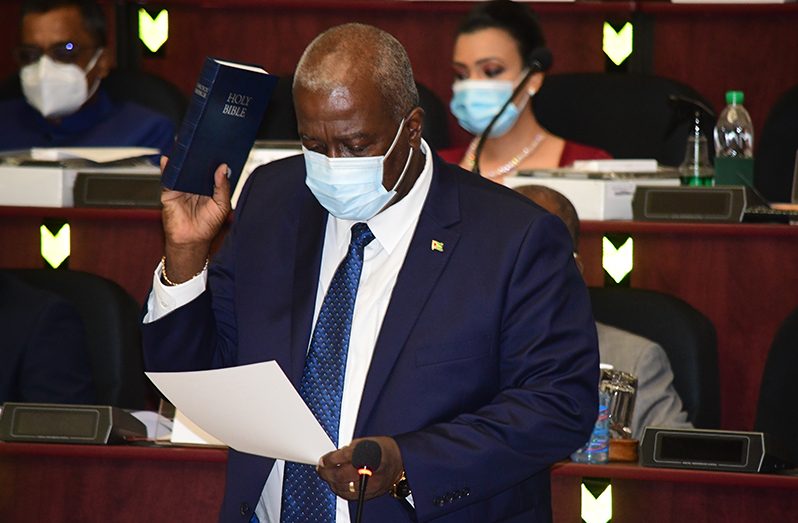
x,y
437,246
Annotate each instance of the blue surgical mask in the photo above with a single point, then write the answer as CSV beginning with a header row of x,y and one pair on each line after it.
x,y
476,102
351,188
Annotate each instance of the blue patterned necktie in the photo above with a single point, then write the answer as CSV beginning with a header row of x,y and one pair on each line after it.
x,y
306,497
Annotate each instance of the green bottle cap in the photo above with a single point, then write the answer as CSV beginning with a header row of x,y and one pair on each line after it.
x,y
735,97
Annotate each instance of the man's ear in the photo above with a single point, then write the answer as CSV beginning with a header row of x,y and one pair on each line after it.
x,y
415,125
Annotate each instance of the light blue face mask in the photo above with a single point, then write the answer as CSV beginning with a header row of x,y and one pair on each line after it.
x,y
476,102
351,188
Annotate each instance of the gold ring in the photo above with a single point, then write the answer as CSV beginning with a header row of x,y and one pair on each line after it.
x,y
352,487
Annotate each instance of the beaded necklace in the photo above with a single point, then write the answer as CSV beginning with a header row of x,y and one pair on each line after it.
x,y
508,167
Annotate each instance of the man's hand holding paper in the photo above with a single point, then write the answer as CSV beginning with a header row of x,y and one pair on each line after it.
x,y
337,469
251,408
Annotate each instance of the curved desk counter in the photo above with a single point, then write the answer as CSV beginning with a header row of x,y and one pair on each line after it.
x,y
653,495
131,484
123,484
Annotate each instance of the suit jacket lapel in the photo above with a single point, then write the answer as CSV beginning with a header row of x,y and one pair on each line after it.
x,y
312,220
416,280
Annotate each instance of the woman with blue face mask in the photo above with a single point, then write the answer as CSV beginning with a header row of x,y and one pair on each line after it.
x,y
493,51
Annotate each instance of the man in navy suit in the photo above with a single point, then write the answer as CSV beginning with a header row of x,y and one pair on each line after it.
x,y
472,357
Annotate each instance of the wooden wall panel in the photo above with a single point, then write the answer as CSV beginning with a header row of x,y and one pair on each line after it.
x,y
275,36
753,49
9,37
712,48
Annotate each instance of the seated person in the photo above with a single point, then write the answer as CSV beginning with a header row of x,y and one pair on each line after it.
x,y
657,402
492,53
43,357
63,59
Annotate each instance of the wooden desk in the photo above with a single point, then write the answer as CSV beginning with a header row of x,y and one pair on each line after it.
x,y
744,277
88,484
650,495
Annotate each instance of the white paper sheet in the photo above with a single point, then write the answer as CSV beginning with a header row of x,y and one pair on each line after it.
x,y
186,431
94,154
251,408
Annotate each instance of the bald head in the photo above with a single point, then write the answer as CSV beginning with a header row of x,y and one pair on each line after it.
x,y
557,204
353,53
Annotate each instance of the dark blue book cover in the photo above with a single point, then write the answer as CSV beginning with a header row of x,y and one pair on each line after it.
x,y
220,125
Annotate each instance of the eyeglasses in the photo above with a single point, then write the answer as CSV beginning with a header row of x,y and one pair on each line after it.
x,y
64,52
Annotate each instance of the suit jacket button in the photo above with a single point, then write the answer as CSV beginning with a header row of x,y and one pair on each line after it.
x,y
449,497
244,509
466,492
439,501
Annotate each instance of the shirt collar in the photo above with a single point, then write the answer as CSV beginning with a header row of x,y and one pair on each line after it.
x,y
390,225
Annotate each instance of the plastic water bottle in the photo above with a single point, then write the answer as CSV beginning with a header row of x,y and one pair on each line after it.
x,y
597,449
734,143
696,170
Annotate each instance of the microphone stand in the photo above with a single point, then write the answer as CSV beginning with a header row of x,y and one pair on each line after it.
x,y
366,458
365,473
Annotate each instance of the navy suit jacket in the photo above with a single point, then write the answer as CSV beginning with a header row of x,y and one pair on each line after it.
x,y
43,355
101,122
485,370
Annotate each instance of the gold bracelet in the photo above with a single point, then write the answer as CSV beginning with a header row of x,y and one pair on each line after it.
x,y
169,282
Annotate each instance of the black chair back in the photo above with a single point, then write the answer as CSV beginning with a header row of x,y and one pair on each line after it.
x,y
436,118
686,335
148,90
279,121
628,115
776,414
776,149
111,317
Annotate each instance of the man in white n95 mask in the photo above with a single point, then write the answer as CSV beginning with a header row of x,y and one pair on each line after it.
x,y
63,57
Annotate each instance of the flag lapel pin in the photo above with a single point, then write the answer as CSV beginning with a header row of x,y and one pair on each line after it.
x,y
437,246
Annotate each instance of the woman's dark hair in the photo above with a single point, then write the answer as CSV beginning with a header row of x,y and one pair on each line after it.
x,y
91,13
515,18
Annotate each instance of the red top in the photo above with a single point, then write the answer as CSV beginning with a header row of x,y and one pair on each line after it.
x,y
570,153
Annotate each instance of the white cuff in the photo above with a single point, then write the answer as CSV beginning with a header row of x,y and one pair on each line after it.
x,y
165,298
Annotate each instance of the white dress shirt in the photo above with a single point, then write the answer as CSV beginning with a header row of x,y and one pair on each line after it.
x,y
393,229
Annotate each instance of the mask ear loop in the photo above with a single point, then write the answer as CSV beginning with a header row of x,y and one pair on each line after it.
x,y
404,171
530,91
401,176
89,67
395,140
390,150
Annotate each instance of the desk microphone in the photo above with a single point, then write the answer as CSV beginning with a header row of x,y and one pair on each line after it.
x,y
365,458
540,60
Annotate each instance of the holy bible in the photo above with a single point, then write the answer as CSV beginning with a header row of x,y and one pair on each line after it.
x,y
220,125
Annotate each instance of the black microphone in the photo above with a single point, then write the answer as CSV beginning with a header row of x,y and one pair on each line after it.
x,y
540,59
366,459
